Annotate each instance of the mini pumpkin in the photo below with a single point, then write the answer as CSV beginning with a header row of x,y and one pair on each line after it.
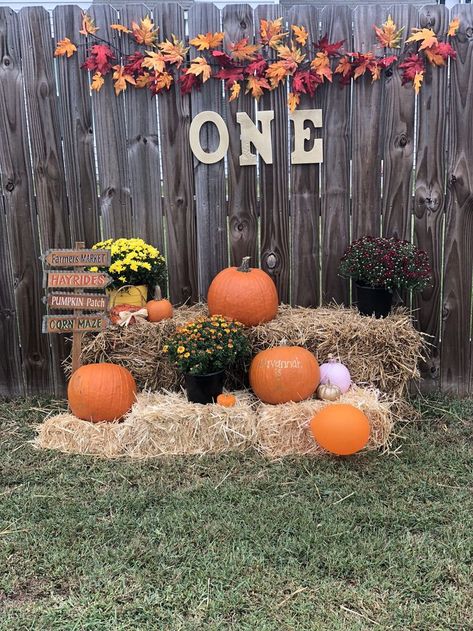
x,y
328,392
159,308
226,400
115,312
101,392
335,373
245,294
284,373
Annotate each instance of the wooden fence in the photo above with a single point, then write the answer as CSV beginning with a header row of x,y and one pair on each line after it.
x,y
80,166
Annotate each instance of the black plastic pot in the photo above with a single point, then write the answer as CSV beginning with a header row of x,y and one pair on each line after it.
x,y
373,300
204,388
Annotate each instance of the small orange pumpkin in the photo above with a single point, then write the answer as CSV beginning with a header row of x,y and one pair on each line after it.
x,y
245,294
284,373
101,392
226,400
114,312
159,308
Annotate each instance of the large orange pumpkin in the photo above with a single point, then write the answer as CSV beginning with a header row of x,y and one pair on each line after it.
x,y
245,294
283,374
101,392
159,308
341,429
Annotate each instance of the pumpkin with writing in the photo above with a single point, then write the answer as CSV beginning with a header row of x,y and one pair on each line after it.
x,y
283,374
159,308
101,392
245,294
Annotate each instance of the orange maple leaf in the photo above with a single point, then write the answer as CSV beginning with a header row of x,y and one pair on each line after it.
x,y
375,70
235,91
97,82
88,26
271,33
154,61
453,27
424,35
388,34
174,52
65,47
301,35
434,56
207,41
365,62
120,27
145,32
143,80
256,85
293,54
163,81
293,101
242,51
200,68
344,66
277,72
417,81
321,65
121,79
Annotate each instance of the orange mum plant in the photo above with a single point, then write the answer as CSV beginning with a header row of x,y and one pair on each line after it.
x,y
276,57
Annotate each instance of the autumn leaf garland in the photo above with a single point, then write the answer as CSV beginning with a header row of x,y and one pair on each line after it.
x,y
277,57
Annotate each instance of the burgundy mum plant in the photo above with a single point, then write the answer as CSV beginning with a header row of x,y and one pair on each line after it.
x,y
387,263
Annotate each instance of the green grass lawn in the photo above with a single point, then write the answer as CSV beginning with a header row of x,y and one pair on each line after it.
x,y
237,542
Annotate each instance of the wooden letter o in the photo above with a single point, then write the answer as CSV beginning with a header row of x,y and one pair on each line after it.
x,y
194,137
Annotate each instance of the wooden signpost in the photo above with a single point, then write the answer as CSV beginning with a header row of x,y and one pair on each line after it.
x,y
76,281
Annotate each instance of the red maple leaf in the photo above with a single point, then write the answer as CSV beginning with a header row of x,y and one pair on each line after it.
x,y
414,64
223,60
99,59
329,48
385,62
446,50
230,75
188,82
257,67
133,65
305,82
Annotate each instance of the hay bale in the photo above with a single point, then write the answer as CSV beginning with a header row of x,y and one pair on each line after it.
x,y
381,353
167,424
283,430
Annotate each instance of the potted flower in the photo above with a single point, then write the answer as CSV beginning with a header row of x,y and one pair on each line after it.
x,y
136,268
202,350
379,265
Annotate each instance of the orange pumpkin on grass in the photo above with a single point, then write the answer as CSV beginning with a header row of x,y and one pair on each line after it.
x,y
159,308
284,373
101,392
245,294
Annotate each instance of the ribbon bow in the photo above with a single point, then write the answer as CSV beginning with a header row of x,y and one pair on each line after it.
x,y
125,317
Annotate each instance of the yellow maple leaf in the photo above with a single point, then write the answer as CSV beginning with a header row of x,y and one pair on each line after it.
x,y
163,80
300,34
97,82
243,51
143,80
417,81
154,61
271,33
388,34
145,32
424,35
277,72
174,52
256,85
65,47
292,54
200,67
375,72
321,65
121,79
453,27
293,101
120,27
207,41
235,91
88,26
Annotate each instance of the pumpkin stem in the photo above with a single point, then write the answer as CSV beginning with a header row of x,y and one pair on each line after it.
x,y
157,293
245,264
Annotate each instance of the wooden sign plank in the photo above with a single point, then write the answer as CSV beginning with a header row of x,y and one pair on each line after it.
x,y
79,280
77,258
74,323
85,302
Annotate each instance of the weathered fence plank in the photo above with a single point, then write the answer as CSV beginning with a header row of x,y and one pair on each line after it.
x,y
456,323
274,182
429,203
211,212
21,224
305,193
336,165
46,147
110,138
398,138
142,146
75,113
174,117
367,147
237,23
